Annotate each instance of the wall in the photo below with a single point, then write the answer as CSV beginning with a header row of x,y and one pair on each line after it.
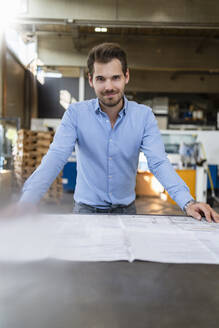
x,y
154,53
154,62
149,81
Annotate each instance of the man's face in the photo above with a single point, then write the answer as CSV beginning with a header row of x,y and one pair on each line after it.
x,y
109,82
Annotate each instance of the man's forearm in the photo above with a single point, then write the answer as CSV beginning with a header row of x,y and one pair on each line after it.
x,y
41,179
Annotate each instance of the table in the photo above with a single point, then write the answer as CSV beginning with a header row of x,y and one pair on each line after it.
x,y
62,294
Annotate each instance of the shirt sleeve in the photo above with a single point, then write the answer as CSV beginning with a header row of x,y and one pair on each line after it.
x,y
52,163
153,148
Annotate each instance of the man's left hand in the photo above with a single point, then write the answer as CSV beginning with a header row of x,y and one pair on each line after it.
x,y
199,210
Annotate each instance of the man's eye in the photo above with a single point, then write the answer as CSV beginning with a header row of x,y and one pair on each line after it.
x,y
100,78
116,77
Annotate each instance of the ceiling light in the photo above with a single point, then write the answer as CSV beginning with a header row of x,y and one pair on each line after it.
x,y
100,29
53,74
41,74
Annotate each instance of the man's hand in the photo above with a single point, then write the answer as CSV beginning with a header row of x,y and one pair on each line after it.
x,y
199,210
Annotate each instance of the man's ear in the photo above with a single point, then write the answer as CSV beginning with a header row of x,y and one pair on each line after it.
x,y
127,76
90,80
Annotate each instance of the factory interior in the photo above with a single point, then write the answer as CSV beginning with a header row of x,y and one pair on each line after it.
x,y
173,68
172,50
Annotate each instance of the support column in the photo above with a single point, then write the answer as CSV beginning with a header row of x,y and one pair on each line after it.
x,y
81,85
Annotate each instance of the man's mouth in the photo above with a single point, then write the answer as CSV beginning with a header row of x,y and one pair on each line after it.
x,y
110,94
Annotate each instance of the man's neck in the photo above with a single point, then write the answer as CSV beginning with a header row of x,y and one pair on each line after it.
x,y
112,112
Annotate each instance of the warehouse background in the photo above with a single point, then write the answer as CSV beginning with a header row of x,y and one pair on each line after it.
x,y
172,47
173,52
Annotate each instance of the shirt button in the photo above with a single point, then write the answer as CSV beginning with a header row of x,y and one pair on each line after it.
x,y
110,158
110,140
110,176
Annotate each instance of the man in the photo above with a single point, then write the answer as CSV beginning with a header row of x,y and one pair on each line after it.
x,y
108,133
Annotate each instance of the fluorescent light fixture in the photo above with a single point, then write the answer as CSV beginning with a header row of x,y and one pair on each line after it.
x,y
53,74
100,29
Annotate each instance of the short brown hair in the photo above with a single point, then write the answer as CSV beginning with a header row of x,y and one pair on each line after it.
x,y
104,53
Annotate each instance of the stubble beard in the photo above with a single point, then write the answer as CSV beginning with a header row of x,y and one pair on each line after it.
x,y
111,104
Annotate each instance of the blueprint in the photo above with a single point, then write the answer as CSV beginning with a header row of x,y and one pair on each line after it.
x,y
167,239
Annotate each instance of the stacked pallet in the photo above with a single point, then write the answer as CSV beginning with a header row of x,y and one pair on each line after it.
x,y
30,149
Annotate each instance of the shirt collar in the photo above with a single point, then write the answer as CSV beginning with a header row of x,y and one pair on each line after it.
x,y
123,110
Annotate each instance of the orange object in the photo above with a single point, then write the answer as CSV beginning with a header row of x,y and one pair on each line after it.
x,y
189,177
147,184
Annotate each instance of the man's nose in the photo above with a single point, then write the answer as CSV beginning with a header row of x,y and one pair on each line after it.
x,y
108,85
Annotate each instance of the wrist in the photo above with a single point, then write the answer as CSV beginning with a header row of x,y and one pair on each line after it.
x,y
190,202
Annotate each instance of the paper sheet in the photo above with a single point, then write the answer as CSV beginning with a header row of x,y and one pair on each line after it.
x,y
168,239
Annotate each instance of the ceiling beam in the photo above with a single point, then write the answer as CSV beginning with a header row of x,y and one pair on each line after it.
x,y
116,23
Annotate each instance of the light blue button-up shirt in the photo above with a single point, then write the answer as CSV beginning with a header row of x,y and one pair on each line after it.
x,y
107,158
